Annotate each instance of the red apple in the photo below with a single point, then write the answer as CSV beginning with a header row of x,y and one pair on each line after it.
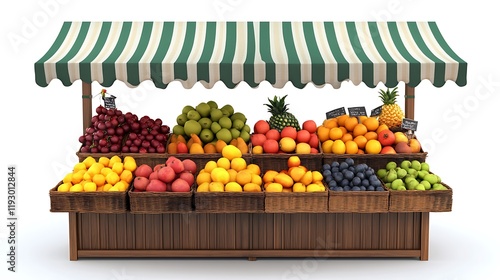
x,y
175,163
402,147
388,150
271,146
156,186
189,165
143,170
261,127
140,183
180,185
187,176
166,174
258,139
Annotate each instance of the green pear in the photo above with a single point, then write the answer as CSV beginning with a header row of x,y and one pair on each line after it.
x,y
401,188
409,178
426,184
405,164
182,119
391,165
412,184
397,183
420,187
421,174
187,108
431,178
381,172
401,173
424,166
415,164
391,176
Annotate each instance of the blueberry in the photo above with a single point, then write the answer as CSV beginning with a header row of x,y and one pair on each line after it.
x,y
356,181
370,188
377,183
332,189
356,189
349,175
380,189
326,166
344,183
335,169
343,166
328,179
332,184
362,188
335,164
369,172
365,182
327,172
347,188
349,161
361,175
339,189
338,177
358,168
373,178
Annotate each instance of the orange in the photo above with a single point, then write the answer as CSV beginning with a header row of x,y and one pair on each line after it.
x,y
338,147
254,168
350,123
243,177
323,133
287,144
351,147
274,187
346,137
126,176
296,173
373,147
341,120
238,164
360,141
284,179
382,127
335,133
327,146
203,178
224,163
371,135
209,148
371,123
219,145
359,129
293,161
330,123
360,152
257,150
344,130
269,176
251,187
307,178
256,179
99,179
232,175
362,118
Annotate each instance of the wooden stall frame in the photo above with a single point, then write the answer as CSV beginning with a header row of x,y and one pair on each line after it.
x,y
75,252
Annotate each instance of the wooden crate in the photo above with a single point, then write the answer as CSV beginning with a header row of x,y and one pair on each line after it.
x,y
296,202
160,202
88,202
229,202
421,201
375,161
358,201
280,161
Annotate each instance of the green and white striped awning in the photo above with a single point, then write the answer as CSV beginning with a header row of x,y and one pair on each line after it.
x,y
300,52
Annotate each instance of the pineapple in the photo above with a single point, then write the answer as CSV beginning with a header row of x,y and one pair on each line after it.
x,y
280,117
391,114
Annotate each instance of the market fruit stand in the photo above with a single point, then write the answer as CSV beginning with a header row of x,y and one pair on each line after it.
x,y
232,52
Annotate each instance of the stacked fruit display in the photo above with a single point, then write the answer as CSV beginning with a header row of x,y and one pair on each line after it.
x,y
104,174
290,140
410,175
179,145
174,175
297,178
347,176
113,131
363,135
229,173
208,123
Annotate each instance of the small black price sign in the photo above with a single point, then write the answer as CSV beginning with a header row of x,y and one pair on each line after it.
x,y
376,112
409,124
109,102
357,111
335,113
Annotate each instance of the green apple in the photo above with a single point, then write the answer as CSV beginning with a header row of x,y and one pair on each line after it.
x,y
421,174
431,178
402,188
405,164
381,173
412,184
420,187
391,165
391,176
409,178
401,173
426,184
424,166
415,164
397,183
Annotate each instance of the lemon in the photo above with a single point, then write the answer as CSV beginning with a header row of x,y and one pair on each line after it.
x,y
77,177
67,178
254,168
256,179
88,161
104,161
64,187
216,187
87,176
230,152
106,187
113,189
105,171
79,166
112,178
232,175
210,165
129,163
90,187
203,187
127,176
117,167
121,186
95,168
113,160
76,188
233,187
220,174
224,163
99,179
204,177
238,164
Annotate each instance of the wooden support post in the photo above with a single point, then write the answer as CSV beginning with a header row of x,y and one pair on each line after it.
x,y
409,102
73,236
86,104
424,237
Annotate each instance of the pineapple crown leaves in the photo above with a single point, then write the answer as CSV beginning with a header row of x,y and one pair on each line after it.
x,y
277,105
388,96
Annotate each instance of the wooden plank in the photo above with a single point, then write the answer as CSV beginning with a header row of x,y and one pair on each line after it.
x,y
103,232
73,236
86,105
424,238
85,230
250,253
121,231
409,101
113,227
139,232
130,231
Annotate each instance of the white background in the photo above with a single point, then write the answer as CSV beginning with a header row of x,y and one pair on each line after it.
x,y
40,128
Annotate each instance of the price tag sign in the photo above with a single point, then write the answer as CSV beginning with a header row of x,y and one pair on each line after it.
x,y
335,113
357,111
409,124
376,112
109,102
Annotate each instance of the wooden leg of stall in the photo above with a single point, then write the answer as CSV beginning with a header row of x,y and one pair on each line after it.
x,y
409,102
73,236
424,237
86,104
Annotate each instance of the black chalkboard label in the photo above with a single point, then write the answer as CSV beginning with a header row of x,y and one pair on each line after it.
x,y
376,112
109,102
409,124
335,113
357,111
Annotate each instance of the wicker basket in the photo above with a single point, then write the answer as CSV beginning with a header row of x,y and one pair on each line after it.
x,y
280,161
290,202
160,202
358,201
82,156
421,201
88,202
229,202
